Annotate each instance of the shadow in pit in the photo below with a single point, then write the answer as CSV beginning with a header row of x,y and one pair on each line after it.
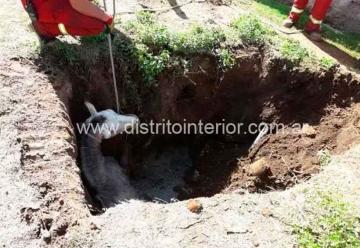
x,y
276,93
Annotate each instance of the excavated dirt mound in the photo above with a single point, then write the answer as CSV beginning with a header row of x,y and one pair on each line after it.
x,y
255,91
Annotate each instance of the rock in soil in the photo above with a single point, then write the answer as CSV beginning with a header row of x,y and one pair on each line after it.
x,y
308,131
258,168
194,206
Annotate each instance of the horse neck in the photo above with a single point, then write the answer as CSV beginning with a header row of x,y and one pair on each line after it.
x,y
90,141
91,154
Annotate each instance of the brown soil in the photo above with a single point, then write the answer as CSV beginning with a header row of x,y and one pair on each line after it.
x,y
291,156
259,89
43,202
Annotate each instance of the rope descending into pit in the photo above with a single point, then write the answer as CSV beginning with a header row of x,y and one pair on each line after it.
x,y
112,58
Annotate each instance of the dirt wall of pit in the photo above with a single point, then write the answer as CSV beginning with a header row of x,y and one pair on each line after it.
x,y
344,14
42,198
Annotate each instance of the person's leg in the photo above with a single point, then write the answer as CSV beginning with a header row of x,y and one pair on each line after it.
x,y
297,9
57,17
295,13
46,31
318,14
81,25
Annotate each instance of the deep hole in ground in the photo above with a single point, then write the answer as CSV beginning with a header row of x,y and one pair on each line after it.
x,y
167,168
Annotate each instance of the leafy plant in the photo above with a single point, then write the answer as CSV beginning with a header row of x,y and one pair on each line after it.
x,y
197,40
94,39
334,225
226,59
150,65
155,43
66,51
147,31
324,157
327,63
145,17
250,29
293,51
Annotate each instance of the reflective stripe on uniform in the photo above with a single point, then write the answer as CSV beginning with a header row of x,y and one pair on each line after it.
x,y
296,10
315,21
62,29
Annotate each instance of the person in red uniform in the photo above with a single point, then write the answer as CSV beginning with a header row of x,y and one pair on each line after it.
x,y
318,13
51,18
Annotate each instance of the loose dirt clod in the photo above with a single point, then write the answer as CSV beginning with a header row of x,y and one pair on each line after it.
x,y
194,206
46,236
308,131
258,168
93,226
266,212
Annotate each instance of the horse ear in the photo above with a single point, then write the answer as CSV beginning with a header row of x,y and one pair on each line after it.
x,y
90,107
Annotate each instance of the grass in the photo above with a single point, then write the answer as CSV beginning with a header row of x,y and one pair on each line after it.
x,y
69,54
331,223
327,63
197,39
226,59
250,30
151,47
151,65
293,51
156,44
277,12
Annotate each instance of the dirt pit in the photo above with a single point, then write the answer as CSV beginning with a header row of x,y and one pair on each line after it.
x,y
315,114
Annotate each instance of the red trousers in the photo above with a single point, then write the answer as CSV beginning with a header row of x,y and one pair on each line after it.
x,y
318,12
57,17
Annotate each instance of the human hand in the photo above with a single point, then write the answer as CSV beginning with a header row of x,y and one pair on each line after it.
x,y
110,23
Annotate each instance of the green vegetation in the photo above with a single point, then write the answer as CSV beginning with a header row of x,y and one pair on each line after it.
x,y
226,59
293,51
250,30
327,63
332,223
156,44
94,39
324,157
146,30
65,52
197,40
277,12
151,65
151,47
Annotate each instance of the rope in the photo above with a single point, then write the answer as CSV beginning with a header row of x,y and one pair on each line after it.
x,y
112,59
164,9
279,28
